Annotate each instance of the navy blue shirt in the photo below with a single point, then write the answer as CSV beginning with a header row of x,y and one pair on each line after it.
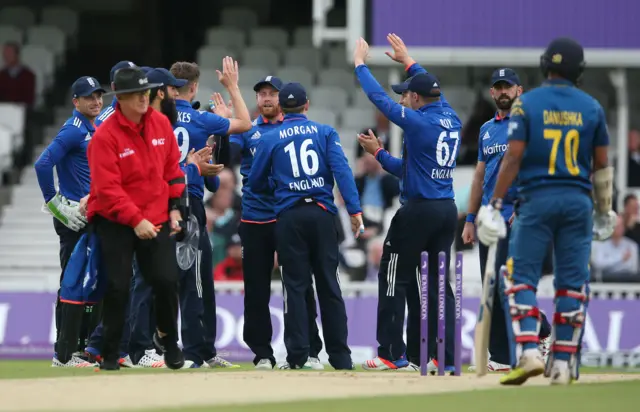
x,y
561,126
492,144
430,145
258,208
105,113
300,159
68,153
192,132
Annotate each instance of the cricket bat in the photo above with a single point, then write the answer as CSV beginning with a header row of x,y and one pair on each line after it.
x,y
483,324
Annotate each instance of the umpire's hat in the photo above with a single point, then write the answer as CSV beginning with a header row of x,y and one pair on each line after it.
x,y
132,80
565,57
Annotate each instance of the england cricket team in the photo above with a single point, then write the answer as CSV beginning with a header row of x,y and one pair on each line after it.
x,y
289,165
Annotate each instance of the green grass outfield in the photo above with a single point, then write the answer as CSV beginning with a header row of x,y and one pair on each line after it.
x,y
14,369
618,397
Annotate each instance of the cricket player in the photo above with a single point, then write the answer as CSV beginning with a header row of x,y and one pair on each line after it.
x,y
257,232
428,217
298,163
557,138
68,154
192,131
492,143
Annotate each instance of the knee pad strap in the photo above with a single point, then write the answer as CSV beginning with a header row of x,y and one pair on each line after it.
x,y
519,311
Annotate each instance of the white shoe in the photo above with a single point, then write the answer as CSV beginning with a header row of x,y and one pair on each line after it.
x,y
529,365
74,362
218,362
264,364
411,367
315,364
286,366
493,367
560,374
151,359
126,362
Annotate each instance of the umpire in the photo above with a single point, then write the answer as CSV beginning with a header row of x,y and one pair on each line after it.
x,y
427,219
302,158
136,191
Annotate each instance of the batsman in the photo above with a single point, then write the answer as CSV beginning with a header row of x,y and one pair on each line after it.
x,y
557,138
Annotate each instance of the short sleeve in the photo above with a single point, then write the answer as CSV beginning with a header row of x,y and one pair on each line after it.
x,y
481,156
237,139
601,137
517,129
215,124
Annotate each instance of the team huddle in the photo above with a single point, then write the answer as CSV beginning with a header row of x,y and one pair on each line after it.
x,y
129,203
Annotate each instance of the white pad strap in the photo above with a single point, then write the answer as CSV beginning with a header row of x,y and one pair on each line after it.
x,y
603,188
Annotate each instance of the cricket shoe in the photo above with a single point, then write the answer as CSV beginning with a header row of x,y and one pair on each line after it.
x,y
218,362
74,362
264,364
560,374
493,367
150,359
411,367
529,365
315,363
432,368
287,366
173,356
93,355
380,364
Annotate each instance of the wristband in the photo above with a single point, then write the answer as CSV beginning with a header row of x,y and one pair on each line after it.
x,y
198,167
471,218
408,65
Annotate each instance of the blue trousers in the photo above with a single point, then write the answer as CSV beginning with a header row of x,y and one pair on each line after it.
x,y
558,215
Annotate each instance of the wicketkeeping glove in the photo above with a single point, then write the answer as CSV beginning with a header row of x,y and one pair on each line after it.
x,y
490,226
604,225
66,211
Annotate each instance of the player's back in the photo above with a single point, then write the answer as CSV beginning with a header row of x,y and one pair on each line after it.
x,y
300,163
562,127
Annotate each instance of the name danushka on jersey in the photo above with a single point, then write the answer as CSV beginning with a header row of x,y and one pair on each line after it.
x,y
295,130
562,118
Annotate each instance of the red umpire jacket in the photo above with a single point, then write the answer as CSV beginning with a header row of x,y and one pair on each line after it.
x,y
134,169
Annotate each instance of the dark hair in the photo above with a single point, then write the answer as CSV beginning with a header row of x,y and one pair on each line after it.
x,y
298,109
187,71
154,92
629,198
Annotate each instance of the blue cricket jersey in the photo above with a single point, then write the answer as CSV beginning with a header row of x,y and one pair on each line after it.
x,y
68,153
192,132
492,144
299,160
256,208
106,113
561,126
430,145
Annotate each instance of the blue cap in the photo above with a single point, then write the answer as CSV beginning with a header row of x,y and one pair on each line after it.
x,y
165,77
146,69
118,66
425,84
292,95
86,86
272,81
505,75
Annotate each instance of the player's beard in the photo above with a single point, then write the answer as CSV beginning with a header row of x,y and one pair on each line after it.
x,y
269,112
504,102
169,109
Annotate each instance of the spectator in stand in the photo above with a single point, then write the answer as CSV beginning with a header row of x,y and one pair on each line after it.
x,y
222,222
631,218
377,189
229,180
17,82
616,259
483,110
230,268
374,254
633,170
382,130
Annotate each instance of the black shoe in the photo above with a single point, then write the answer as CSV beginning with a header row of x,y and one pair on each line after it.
x,y
110,365
173,356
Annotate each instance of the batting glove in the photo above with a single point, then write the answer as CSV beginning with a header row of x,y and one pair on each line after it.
x,y
66,211
490,225
604,225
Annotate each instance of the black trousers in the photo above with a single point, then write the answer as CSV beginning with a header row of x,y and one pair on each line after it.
x,y
498,341
77,320
197,296
157,261
419,225
258,248
307,243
